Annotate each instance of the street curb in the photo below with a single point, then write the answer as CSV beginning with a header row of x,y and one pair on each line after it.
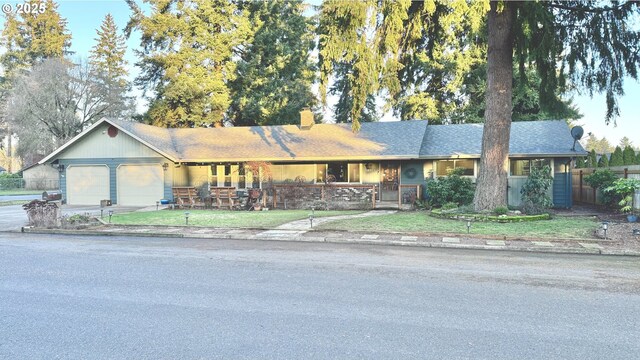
x,y
342,240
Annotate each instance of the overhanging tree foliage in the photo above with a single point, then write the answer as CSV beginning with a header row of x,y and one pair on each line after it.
x,y
273,74
186,59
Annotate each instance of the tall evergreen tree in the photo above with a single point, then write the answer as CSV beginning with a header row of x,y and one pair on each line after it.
x,y
616,157
624,142
592,159
109,68
581,162
274,74
46,32
604,161
628,156
341,87
186,59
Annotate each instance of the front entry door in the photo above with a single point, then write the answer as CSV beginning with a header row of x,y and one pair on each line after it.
x,y
389,182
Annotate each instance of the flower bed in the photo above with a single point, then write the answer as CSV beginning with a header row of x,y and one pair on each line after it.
x,y
485,217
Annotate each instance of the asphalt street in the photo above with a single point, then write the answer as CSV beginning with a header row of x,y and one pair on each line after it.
x,y
146,298
20,197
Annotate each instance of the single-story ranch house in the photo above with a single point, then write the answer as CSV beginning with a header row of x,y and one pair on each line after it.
x,y
383,164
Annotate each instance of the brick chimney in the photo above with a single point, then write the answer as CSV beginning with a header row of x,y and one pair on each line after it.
x,y
306,119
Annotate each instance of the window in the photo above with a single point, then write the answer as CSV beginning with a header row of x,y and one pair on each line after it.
x,y
242,183
337,172
354,173
227,175
321,173
523,167
214,175
444,167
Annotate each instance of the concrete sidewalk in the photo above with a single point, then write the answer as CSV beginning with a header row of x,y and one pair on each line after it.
x,y
567,246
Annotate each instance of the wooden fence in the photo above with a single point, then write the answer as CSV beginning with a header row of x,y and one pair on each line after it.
x,y
586,194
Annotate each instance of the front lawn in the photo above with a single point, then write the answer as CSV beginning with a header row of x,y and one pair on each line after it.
x,y
559,227
220,218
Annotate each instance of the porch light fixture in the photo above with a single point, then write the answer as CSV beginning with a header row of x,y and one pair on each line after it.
x,y
186,218
110,215
61,168
605,227
165,166
468,226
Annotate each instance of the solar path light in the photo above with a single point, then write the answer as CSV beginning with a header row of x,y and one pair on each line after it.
x,y
186,218
110,215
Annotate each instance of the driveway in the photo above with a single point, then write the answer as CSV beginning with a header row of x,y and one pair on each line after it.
x,y
13,217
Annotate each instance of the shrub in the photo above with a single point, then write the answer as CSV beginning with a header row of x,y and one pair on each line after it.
x,y
501,210
624,189
601,180
10,181
42,214
616,157
422,204
535,197
451,188
580,162
628,155
449,206
604,161
592,159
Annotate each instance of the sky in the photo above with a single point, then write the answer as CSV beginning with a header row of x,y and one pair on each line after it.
x,y
85,16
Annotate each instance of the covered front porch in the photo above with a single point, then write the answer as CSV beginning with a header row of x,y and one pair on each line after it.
x,y
330,185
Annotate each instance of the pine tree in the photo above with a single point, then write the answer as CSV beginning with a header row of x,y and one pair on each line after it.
x,y
628,156
604,161
186,59
109,69
592,159
616,157
624,142
274,74
580,162
46,32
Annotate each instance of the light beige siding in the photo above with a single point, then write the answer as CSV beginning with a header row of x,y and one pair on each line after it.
x,y
98,144
140,185
41,177
87,184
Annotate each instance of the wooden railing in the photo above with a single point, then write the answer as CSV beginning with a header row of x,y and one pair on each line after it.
x,y
323,192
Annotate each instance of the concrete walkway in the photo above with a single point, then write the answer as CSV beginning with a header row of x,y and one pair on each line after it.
x,y
305,224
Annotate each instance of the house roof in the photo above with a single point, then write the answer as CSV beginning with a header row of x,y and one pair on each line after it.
x,y
527,138
393,140
380,140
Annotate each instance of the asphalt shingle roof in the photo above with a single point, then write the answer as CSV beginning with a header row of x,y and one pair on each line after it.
x,y
401,139
528,138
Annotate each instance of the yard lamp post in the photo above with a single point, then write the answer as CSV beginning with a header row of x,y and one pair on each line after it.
x,y
186,218
605,227
468,226
110,215
101,212
311,219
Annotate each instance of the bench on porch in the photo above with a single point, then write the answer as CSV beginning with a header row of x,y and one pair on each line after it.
x,y
187,197
225,196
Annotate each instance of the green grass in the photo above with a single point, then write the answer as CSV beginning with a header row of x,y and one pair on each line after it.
x,y
559,227
219,218
13,202
20,192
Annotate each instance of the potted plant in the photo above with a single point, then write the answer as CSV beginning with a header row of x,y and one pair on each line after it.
x,y
625,189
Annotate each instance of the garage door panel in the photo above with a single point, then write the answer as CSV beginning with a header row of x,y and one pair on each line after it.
x,y
140,185
87,185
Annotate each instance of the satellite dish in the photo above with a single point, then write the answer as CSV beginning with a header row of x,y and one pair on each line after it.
x,y
577,132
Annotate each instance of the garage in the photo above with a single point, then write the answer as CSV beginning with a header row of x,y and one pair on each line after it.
x,y
140,185
87,185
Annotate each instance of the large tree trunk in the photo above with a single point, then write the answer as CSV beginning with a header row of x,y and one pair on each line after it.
x,y
491,188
